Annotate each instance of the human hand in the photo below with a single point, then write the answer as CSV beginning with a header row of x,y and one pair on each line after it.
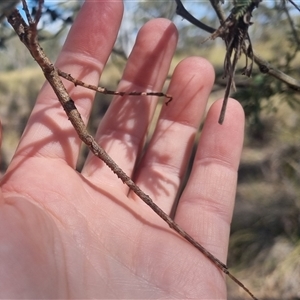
x,y
65,234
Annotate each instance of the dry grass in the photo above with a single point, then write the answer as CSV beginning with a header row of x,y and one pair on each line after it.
x,y
264,247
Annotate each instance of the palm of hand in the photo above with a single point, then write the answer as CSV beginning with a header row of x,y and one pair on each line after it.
x,y
87,242
72,235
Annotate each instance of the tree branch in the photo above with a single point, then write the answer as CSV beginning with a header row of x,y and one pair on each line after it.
x,y
269,69
264,66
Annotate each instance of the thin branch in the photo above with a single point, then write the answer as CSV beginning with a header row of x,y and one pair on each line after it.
x,y
103,90
269,69
293,29
28,15
39,11
218,9
295,5
181,11
28,35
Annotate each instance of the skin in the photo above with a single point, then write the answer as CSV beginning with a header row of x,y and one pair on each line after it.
x,y
65,234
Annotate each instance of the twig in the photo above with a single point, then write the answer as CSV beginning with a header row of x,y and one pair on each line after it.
x,y
181,11
218,9
267,68
28,35
293,30
295,5
292,25
109,92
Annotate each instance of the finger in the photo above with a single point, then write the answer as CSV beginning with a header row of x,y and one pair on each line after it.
x,y
87,48
161,170
124,126
206,206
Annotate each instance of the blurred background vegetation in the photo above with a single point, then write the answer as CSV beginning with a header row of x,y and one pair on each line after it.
x,y
264,246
